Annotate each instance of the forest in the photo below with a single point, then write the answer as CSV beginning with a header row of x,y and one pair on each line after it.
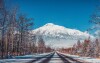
x,y
15,35
89,47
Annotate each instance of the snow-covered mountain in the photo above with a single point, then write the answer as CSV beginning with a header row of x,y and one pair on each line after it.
x,y
51,30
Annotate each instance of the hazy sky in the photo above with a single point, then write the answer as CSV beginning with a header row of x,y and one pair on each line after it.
x,y
68,13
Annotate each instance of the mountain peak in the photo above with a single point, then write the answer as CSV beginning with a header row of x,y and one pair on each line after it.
x,y
49,24
55,31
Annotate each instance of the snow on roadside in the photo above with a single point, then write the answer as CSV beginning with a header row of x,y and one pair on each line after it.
x,y
87,59
31,56
22,59
15,60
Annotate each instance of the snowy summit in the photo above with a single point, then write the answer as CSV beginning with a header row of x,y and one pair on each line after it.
x,y
55,31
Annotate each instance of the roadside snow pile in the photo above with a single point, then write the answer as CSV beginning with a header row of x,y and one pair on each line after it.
x,y
87,59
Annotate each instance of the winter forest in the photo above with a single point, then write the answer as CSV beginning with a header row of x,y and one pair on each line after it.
x,y
17,37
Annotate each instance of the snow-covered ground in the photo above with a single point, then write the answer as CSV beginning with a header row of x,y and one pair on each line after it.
x,y
31,56
86,59
15,60
27,58
22,59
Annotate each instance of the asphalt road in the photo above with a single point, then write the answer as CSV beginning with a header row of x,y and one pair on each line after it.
x,y
55,57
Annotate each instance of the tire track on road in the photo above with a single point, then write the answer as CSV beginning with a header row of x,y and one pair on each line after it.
x,y
39,58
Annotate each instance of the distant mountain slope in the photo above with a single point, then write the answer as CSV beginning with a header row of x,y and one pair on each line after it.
x,y
55,31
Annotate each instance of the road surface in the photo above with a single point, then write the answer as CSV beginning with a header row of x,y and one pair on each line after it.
x,y
55,57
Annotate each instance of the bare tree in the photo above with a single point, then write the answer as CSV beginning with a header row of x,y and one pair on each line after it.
x,y
24,25
3,25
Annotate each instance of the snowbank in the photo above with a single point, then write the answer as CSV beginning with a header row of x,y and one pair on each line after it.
x,y
87,59
22,59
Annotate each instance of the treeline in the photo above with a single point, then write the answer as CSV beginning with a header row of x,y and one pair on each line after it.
x,y
15,35
87,48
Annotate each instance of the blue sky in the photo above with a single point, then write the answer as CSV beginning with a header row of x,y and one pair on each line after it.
x,y
68,13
